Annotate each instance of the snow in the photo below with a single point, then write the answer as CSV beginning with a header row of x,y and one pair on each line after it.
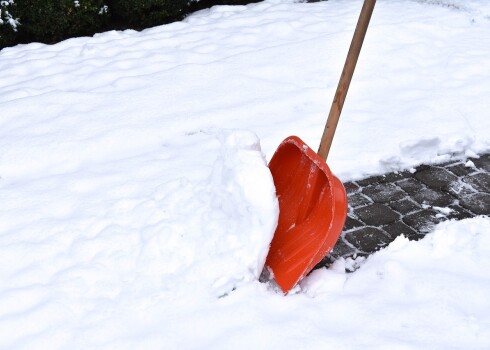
x,y
426,294
137,207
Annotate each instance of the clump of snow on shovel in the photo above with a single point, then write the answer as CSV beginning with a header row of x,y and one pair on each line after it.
x,y
221,227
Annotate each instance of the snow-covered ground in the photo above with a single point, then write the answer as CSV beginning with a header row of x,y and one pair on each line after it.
x,y
137,207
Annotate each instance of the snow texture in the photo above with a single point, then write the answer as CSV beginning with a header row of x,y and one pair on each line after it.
x,y
137,207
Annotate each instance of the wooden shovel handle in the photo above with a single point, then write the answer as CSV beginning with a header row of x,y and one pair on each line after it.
x,y
345,78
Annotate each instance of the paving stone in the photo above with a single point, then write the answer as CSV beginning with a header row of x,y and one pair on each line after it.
x,y
460,169
422,221
351,223
422,167
369,181
436,178
384,192
480,181
483,162
368,239
398,228
433,198
377,214
458,213
358,200
411,185
395,176
351,187
460,189
478,203
325,262
405,206
342,249
386,206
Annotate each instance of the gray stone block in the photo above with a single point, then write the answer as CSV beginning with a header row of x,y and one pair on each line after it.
x,y
384,192
460,189
351,187
460,169
478,203
480,182
369,181
411,185
433,198
351,223
405,206
368,239
395,176
458,213
398,228
483,162
358,200
342,249
377,214
436,178
422,221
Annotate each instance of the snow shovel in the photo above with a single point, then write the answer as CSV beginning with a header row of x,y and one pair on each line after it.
x,y
312,201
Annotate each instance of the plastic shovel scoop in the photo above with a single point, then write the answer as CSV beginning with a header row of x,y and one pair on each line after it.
x,y
313,207
312,201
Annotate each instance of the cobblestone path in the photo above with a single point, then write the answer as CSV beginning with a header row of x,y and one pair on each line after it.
x,y
411,203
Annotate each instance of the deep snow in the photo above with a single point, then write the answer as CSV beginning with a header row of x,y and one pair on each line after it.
x,y
137,206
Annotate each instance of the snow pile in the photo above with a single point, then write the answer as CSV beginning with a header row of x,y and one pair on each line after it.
x,y
427,294
87,244
214,234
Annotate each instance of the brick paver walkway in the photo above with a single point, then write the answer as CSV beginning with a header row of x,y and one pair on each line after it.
x,y
411,203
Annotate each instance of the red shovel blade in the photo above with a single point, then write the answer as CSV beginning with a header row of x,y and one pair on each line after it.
x,y
312,212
